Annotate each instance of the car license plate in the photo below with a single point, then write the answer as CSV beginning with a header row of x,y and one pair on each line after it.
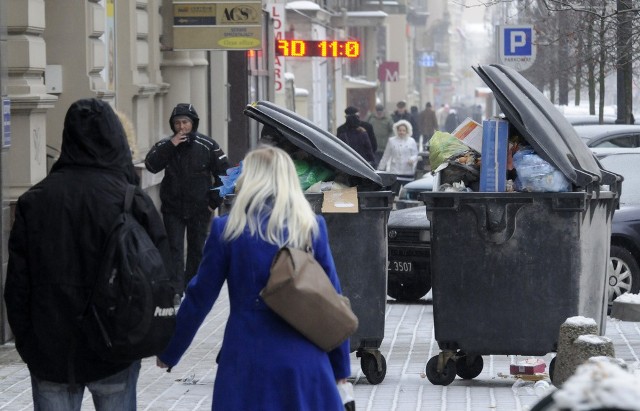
x,y
401,266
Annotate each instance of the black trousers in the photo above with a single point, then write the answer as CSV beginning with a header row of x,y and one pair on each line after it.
x,y
196,227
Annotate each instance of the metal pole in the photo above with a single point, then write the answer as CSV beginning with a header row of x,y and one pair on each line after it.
x,y
624,65
563,56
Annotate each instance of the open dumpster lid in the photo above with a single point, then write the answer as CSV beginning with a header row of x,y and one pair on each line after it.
x,y
543,126
312,139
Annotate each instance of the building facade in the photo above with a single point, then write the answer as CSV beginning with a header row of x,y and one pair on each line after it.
x,y
53,52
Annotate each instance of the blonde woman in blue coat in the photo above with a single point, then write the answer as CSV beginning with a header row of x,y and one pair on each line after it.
x,y
264,364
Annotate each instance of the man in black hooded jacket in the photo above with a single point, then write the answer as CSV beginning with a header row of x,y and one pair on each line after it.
x,y
55,248
192,164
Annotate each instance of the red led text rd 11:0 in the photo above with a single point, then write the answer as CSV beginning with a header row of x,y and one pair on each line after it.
x,y
318,48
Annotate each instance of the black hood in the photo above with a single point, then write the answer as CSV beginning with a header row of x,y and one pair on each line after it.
x,y
184,109
93,136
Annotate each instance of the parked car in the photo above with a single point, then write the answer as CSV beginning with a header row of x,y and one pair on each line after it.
x,y
624,269
408,231
610,135
589,119
408,194
409,272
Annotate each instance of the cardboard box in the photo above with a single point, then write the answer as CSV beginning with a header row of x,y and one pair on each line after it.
x,y
470,133
493,171
340,201
528,367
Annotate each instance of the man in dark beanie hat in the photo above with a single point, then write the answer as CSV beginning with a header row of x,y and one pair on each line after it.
x,y
352,115
192,163
355,135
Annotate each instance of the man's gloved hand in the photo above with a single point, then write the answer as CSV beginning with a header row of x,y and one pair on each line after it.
x,y
215,199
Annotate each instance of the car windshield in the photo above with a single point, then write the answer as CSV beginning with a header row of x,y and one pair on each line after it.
x,y
628,165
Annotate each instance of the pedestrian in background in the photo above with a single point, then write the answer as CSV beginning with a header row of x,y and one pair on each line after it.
x,y
477,114
415,122
441,115
368,127
401,113
429,123
264,363
451,122
355,135
192,164
401,154
382,128
55,250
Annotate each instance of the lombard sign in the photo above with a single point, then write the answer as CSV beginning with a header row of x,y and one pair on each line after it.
x,y
517,47
278,16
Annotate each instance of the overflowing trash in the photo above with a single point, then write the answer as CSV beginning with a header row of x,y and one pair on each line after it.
x,y
312,172
537,175
510,163
530,366
540,387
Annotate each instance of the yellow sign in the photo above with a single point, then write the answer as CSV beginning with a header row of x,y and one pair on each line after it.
x,y
217,25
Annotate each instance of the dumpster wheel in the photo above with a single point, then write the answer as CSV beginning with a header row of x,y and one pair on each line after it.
x,y
448,373
468,366
552,369
374,371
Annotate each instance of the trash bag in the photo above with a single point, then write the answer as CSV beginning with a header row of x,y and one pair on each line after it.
x,y
536,175
311,172
444,146
229,181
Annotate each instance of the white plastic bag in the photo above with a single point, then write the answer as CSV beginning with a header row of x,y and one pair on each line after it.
x,y
537,175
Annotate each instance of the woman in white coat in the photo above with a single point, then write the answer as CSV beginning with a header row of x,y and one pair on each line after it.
x,y
400,154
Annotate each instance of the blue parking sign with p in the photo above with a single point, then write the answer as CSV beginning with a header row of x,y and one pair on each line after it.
x,y
518,41
517,46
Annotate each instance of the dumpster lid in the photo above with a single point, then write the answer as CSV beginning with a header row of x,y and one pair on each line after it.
x,y
542,125
319,143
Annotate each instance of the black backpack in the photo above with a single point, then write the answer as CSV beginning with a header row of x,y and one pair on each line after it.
x,y
130,313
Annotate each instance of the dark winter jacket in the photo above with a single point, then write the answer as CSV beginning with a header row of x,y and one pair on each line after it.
x,y
357,139
452,122
55,246
191,170
368,127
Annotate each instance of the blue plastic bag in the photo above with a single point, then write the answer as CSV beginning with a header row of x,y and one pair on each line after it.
x,y
537,175
229,181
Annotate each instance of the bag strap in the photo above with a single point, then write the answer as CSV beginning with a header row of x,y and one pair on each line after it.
x,y
128,198
128,201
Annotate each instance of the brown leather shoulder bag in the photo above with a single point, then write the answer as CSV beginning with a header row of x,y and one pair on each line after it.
x,y
300,292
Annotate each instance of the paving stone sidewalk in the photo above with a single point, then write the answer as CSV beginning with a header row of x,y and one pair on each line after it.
x,y
407,346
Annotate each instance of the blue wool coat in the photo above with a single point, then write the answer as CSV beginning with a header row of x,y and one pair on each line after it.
x,y
264,364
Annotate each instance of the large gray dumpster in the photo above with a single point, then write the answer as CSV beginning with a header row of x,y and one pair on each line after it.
x,y
358,240
509,268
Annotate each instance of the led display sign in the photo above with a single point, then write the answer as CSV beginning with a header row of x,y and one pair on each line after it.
x,y
318,48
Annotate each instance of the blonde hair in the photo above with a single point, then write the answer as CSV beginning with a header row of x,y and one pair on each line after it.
x,y
268,190
130,132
